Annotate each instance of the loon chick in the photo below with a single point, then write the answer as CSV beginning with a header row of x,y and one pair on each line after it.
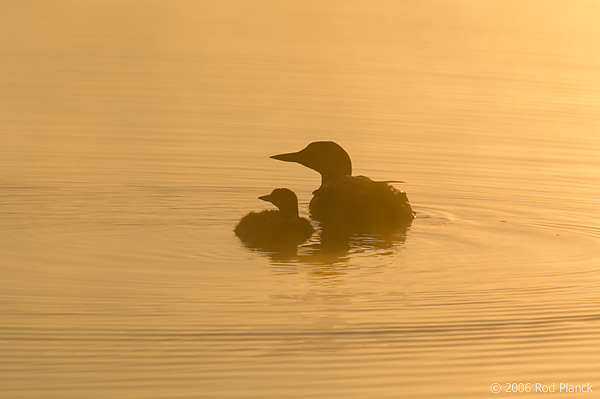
x,y
275,228
354,203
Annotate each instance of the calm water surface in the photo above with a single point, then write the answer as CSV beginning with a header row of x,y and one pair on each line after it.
x,y
135,135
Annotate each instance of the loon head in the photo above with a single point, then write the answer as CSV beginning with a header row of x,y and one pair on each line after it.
x,y
326,157
284,199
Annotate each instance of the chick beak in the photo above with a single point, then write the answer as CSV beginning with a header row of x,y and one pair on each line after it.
x,y
265,198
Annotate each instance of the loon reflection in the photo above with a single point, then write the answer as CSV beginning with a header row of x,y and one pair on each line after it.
x,y
346,202
275,228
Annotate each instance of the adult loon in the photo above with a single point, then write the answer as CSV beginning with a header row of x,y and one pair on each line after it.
x,y
275,228
343,201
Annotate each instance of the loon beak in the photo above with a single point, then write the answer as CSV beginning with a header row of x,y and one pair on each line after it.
x,y
265,198
289,157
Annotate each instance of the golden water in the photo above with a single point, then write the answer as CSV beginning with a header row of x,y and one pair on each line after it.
x,y
135,134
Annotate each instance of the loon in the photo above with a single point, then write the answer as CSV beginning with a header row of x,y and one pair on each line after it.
x,y
343,201
275,228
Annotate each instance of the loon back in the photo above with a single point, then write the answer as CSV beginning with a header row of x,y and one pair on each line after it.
x,y
360,204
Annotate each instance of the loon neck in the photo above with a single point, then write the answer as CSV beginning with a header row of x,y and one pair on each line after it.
x,y
329,177
290,210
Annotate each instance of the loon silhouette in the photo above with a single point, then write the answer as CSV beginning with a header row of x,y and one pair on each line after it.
x,y
343,201
275,228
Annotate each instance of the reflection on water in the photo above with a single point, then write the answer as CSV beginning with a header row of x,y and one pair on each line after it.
x,y
134,137
329,247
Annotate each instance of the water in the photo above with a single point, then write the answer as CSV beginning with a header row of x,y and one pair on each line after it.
x,y
134,136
